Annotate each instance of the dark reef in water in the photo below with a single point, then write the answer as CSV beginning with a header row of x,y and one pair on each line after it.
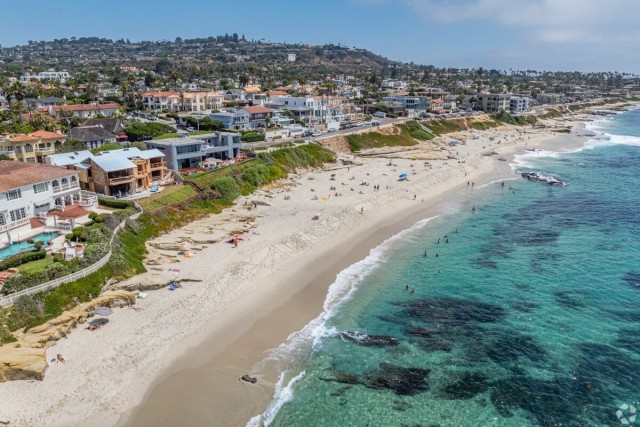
x,y
465,386
633,279
402,381
567,301
453,311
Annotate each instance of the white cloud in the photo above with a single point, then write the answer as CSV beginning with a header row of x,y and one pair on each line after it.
x,y
556,21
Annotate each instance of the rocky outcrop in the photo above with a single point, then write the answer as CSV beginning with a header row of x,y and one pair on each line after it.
x,y
17,363
25,359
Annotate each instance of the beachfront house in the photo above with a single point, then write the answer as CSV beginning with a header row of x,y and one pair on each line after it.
x,y
183,153
259,116
28,190
122,172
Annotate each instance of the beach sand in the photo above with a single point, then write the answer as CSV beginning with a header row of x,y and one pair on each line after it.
x,y
177,361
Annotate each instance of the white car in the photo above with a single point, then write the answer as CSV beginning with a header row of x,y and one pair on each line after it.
x,y
317,133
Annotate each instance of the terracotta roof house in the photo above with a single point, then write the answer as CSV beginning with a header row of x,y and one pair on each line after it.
x,y
85,110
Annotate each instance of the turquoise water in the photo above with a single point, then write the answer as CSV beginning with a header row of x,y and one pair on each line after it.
x,y
528,316
18,247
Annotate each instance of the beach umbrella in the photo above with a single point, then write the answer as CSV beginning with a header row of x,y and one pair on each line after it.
x,y
103,311
403,175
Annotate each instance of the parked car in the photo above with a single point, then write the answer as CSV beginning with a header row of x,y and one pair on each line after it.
x,y
316,133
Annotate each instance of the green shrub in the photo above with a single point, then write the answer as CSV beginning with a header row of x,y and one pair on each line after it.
x,y
252,137
30,241
113,203
24,311
256,175
99,219
69,236
38,245
227,188
21,258
93,215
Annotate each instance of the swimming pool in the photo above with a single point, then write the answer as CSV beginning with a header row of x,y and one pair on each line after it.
x,y
24,246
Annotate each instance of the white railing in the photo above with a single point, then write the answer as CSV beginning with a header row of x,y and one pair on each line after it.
x,y
14,224
10,299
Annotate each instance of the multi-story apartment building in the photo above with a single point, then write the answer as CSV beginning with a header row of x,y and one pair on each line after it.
x,y
29,189
31,148
493,102
185,101
119,173
189,152
416,103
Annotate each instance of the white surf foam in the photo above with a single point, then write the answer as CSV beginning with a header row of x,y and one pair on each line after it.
x,y
528,159
300,344
497,181
282,395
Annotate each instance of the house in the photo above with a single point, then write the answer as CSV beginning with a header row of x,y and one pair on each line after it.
x,y
84,110
493,102
92,136
415,103
111,124
31,148
236,120
159,101
61,76
189,152
550,98
259,116
45,102
119,172
519,104
31,189
235,95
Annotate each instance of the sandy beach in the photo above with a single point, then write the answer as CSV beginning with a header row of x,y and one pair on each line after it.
x,y
177,360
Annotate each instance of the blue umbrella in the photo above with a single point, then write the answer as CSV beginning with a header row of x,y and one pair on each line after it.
x,y
403,175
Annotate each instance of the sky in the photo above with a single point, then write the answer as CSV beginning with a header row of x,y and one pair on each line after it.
x,y
568,35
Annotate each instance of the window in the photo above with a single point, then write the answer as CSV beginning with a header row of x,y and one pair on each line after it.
x,y
18,214
31,160
14,194
41,187
28,148
3,219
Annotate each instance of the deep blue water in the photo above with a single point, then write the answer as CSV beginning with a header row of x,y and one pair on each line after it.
x,y
529,315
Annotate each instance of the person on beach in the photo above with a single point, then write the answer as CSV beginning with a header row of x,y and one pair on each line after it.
x,y
59,358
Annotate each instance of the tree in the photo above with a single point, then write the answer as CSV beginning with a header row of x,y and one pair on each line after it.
x,y
243,80
163,67
71,145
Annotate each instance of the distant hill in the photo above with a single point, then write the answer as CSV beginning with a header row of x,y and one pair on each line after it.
x,y
222,54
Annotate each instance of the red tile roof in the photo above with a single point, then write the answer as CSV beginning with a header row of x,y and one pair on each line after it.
x,y
17,174
43,134
22,138
161,94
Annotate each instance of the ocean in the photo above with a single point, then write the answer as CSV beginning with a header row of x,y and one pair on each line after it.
x,y
517,305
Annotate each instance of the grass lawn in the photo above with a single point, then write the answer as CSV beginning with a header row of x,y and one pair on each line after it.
x,y
168,196
360,141
36,266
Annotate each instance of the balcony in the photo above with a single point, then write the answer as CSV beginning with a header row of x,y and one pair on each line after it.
x,y
11,154
45,151
158,165
121,179
65,187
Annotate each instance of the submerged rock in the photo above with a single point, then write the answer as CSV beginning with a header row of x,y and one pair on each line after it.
x,y
547,179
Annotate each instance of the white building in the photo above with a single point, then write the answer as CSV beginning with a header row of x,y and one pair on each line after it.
x,y
29,189
61,76
519,104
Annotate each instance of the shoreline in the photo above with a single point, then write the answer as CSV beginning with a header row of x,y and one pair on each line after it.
x,y
214,332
